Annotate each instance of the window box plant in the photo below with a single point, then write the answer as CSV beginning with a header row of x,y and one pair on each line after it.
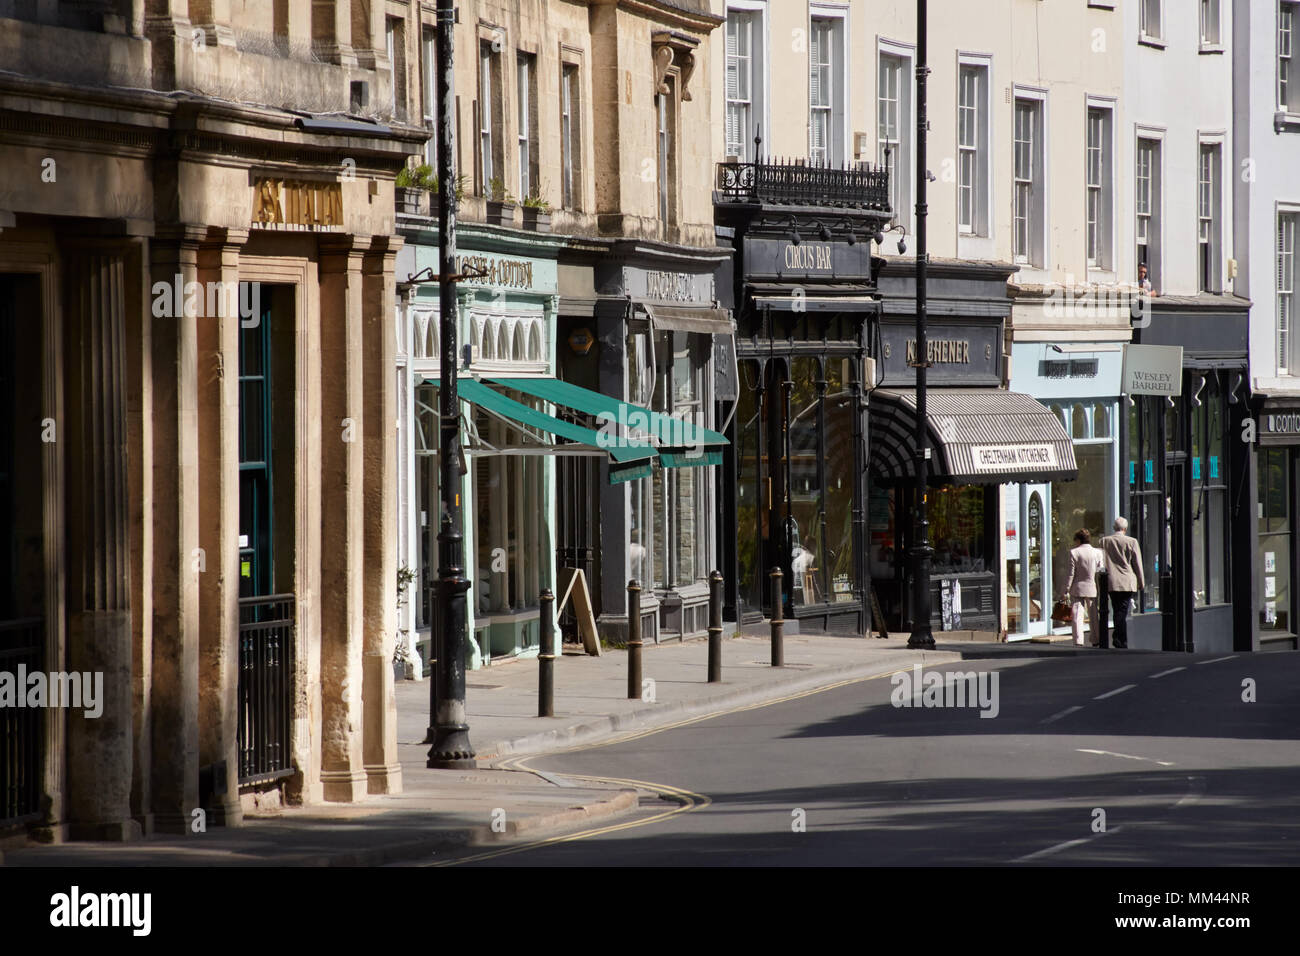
x,y
500,204
537,213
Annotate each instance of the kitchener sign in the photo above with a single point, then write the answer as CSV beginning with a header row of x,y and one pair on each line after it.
x,y
1153,370
1012,458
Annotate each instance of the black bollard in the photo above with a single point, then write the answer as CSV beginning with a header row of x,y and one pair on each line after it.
x,y
778,620
633,640
546,659
715,627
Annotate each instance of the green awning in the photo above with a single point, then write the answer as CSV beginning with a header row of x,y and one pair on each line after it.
x,y
670,432
631,459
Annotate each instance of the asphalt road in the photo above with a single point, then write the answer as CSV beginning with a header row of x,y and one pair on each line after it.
x,y
1185,772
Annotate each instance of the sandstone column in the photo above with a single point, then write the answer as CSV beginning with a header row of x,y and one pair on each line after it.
x,y
218,415
98,544
175,690
342,486
380,587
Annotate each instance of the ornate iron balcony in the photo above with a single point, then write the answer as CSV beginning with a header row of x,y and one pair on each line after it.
x,y
861,186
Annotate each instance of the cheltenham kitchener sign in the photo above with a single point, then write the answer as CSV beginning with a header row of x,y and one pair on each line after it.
x,y
1011,458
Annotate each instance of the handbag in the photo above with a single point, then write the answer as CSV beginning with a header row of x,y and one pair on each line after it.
x,y
1062,613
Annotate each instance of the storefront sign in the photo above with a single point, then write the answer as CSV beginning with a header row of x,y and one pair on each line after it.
x,y
1152,370
280,203
497,270
966,354
992,459
784,258
658,285
1282,423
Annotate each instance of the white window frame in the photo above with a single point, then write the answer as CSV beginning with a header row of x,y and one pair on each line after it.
x,y
1211,26
487,147
1210,210
901,185
1035,253
980,187
1288,84
1146,9
757,121
570,178
525,77
1155,211
836,148
1102,206
429,106
1286,221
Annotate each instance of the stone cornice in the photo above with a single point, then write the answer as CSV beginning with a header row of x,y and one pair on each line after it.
x,y
669,12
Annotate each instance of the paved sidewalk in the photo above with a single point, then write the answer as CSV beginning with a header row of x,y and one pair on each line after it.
x,y
591,692
441,808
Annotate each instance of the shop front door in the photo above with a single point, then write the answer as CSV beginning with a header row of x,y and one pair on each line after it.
x,y
1029,559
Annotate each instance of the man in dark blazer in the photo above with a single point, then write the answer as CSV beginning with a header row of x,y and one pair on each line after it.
x,y
1123,562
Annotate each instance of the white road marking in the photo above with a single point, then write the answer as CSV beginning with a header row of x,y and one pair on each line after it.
x,y
1063,846
1064,713
1216,660
1117,690
1111,753
1172,670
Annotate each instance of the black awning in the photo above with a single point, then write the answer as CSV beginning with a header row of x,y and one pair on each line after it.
x,y
978,436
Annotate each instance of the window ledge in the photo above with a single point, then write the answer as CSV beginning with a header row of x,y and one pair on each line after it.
x,y
1286,122
1101,4
1153,42
1211,48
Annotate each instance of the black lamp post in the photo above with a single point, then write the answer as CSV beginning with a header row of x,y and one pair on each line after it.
x,y
921,551
451,747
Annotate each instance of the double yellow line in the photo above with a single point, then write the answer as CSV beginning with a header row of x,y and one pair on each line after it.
x,y
686,800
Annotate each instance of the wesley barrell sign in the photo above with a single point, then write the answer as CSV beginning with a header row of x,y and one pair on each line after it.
x,y
1152,370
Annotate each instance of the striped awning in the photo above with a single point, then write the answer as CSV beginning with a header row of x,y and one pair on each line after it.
x,y
978,436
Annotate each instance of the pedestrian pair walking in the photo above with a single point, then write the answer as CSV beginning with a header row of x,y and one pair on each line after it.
x,y
1114,570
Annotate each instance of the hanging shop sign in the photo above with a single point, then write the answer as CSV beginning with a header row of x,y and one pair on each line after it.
x,y
965,354
1152,370
783,258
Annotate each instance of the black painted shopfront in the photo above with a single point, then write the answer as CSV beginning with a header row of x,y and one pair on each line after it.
x,y
981,436
793,488
1276,559
1188,483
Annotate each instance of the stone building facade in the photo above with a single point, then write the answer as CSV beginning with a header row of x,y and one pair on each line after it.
x,y
196,285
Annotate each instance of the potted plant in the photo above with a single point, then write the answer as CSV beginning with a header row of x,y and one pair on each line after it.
x,y
500,204
409,191
537,213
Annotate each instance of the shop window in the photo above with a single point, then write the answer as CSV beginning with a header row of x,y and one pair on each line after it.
x,y
838,482
1275,540
1147,506
678,494
1084,502
956,516
807,554
751,511
1209,494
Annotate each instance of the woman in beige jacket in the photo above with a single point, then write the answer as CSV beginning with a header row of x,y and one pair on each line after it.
x,y
1081,584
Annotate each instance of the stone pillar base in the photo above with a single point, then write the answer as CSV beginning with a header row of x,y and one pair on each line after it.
x,y
225,813
117,831
383,779
343,786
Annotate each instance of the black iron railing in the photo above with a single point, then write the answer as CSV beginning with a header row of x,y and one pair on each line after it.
x,y
22,644
266,626
861,186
